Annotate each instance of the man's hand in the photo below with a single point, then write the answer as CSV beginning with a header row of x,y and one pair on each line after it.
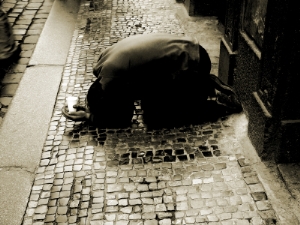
x,y
81,108
81,115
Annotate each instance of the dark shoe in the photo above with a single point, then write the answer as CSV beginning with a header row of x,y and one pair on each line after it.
x,y
225,95
220,86
230,102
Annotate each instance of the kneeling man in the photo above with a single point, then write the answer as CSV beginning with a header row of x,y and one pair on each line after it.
x,y
169,74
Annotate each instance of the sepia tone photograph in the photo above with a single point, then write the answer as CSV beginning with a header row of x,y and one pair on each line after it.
x,y
149,112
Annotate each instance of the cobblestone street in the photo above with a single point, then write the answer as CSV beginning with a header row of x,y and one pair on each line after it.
x,y
179,176
187,175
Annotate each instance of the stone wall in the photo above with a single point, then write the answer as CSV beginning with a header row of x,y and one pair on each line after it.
x,y
262,65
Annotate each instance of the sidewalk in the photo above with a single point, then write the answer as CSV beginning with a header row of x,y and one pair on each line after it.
x,y
201,174
24,128
27,19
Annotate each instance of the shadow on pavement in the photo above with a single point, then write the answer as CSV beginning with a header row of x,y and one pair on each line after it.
x,y
210,112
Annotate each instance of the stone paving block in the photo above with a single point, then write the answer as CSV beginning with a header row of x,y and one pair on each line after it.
x,y
9,90
158,193
171,208
204,212
263,205
256,187
195,195
39,217
146,194
18,68
50,218
235,200
21,26
242,222
182,206
19,31
237,215
26,53
258,196
12,78
123,202
246,199
165,222
31,39
157,200
135,195
207,202
134,202
190,220
151,222
241,191
121,222
148,208
41,15
27,46
24,21
61,219
252,180
206,195
29,12
17,10
18,37
36,27
43,201
147,201
33,5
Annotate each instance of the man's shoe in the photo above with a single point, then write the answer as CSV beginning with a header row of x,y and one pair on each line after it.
x,y
220,86
230,102
225,95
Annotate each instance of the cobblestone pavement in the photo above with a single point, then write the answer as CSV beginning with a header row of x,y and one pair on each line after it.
x,y
188,175
27,19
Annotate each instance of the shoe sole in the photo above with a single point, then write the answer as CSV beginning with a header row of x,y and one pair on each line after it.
x,y
220,86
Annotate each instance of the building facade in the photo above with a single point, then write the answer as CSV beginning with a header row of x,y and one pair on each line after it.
x,y
259,55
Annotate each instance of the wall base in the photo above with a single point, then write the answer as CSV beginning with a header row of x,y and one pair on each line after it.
x,y
272,139
260,122
289,150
